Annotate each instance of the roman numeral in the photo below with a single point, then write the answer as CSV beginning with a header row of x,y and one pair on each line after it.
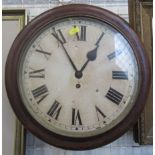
x,y
114,96
55,110
40,50
40,93
43,52
76,119
114,55
59,35
82,36
99,113
120,75
40,73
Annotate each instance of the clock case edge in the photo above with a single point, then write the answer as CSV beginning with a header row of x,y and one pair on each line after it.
x,y
11,76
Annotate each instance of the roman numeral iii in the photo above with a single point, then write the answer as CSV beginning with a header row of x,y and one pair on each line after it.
x,y
120,75
114,96
40,93
55,110
76,119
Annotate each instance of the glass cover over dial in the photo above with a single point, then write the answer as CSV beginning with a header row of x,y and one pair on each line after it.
x,y
78,77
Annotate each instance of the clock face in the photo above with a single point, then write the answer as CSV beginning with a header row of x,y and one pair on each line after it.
x,y
78,77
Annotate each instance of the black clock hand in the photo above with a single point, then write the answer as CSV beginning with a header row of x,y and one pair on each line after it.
x,y
91,56
99,39
56,36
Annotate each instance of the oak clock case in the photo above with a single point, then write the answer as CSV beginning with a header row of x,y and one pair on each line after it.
x,y
77,77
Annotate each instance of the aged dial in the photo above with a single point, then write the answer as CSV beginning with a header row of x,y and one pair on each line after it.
x,y
78,84
79,77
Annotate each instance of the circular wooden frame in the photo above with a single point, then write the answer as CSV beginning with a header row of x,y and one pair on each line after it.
x,y
12,66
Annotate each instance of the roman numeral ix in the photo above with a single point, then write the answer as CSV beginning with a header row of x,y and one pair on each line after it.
x,y
114,96
40,73
40,93
55,110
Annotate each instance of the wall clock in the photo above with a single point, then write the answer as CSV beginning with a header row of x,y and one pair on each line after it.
x,y
77,77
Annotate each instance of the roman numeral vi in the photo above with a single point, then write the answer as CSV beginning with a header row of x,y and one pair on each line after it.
x,y
76,119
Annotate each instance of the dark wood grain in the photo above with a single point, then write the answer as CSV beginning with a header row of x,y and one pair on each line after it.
x,y
12,75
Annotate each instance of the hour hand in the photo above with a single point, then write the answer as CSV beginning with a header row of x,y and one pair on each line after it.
x,y
91,55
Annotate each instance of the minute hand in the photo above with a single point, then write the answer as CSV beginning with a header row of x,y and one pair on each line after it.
x,y
69,58
91,55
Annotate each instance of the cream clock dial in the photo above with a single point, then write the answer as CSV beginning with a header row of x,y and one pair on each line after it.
x,y
79,77
78,84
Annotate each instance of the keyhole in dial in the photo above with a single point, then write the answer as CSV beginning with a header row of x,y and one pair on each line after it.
x,y
78,85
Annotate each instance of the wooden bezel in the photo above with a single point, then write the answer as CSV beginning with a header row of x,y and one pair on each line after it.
x,y
11,76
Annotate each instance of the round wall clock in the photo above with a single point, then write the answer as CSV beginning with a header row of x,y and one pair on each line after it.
x,y
77,77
